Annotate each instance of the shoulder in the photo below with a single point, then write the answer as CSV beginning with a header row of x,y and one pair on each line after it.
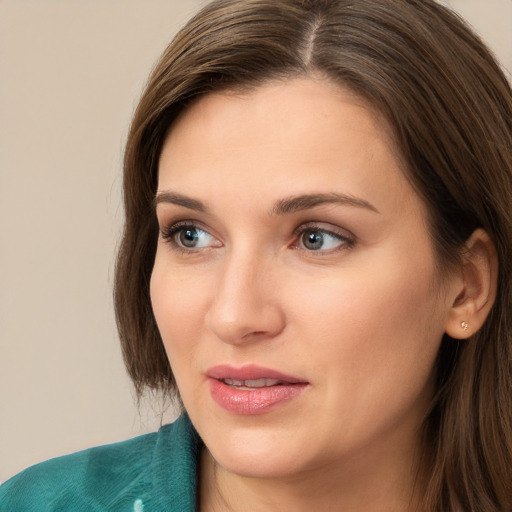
x,y
120,476
79,480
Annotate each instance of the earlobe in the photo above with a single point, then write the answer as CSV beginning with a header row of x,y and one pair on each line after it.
x,y
477,287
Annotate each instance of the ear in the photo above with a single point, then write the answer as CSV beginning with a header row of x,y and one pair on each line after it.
x,y
476,288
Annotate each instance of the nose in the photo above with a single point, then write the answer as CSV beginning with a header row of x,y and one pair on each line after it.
x,y
245,307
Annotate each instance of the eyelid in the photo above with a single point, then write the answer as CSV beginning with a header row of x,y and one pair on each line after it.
x,y
326,227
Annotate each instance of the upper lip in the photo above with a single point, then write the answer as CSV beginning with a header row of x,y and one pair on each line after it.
x,y
251,372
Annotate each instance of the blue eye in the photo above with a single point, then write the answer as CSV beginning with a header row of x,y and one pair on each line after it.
x,y
189,237
314,239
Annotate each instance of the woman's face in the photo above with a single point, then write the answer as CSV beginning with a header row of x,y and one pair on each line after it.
x,y
295,285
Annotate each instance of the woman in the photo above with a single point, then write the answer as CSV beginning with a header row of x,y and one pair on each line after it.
x,y
316,261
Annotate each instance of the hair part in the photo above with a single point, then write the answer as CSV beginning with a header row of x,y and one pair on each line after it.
x,y
449,107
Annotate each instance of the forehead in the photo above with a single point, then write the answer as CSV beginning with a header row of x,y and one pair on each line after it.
x,y
311,135
274,103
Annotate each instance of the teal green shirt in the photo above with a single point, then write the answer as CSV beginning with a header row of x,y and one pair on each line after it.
x,y
151,473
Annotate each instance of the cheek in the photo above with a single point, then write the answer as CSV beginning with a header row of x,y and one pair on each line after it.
x,y
179,302
372,340
385,323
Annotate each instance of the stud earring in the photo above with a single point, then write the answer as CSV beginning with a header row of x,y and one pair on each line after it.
x,y
464,325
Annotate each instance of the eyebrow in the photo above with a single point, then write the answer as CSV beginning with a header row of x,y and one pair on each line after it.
x,y
307,201
180,200
281,207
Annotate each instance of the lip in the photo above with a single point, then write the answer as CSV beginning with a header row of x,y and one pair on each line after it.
x,y
252,401
251,372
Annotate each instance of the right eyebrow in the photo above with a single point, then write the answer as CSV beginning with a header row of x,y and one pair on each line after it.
x,y
180,200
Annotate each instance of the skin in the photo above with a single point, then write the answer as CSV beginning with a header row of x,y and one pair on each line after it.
x,y
360,319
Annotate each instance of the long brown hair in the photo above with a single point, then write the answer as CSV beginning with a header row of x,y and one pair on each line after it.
x,y
450,108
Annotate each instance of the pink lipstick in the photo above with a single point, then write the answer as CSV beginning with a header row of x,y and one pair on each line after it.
x,y
252,389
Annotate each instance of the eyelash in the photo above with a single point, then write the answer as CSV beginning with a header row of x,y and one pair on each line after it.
x,y
346,242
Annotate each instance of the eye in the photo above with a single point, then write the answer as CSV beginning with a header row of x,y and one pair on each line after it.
x,y
189,236
319,239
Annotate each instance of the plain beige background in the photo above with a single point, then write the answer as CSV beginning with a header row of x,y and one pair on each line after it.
x,y
70,75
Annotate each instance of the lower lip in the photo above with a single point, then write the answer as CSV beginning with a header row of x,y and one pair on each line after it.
x,y
253,401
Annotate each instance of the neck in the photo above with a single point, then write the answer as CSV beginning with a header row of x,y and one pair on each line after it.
x,y
353,486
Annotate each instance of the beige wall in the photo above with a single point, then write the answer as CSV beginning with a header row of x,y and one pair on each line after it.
x,y
70,74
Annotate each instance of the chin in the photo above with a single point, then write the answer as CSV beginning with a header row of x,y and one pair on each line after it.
x,y
257,455
262,464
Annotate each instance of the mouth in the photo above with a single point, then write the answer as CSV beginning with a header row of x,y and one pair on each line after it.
x,y
251,389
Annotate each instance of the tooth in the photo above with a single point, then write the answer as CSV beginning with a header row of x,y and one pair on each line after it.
x,y
260,383
251,383
256,383
233,382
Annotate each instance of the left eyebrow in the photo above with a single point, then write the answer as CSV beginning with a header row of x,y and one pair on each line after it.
x,y
308,201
